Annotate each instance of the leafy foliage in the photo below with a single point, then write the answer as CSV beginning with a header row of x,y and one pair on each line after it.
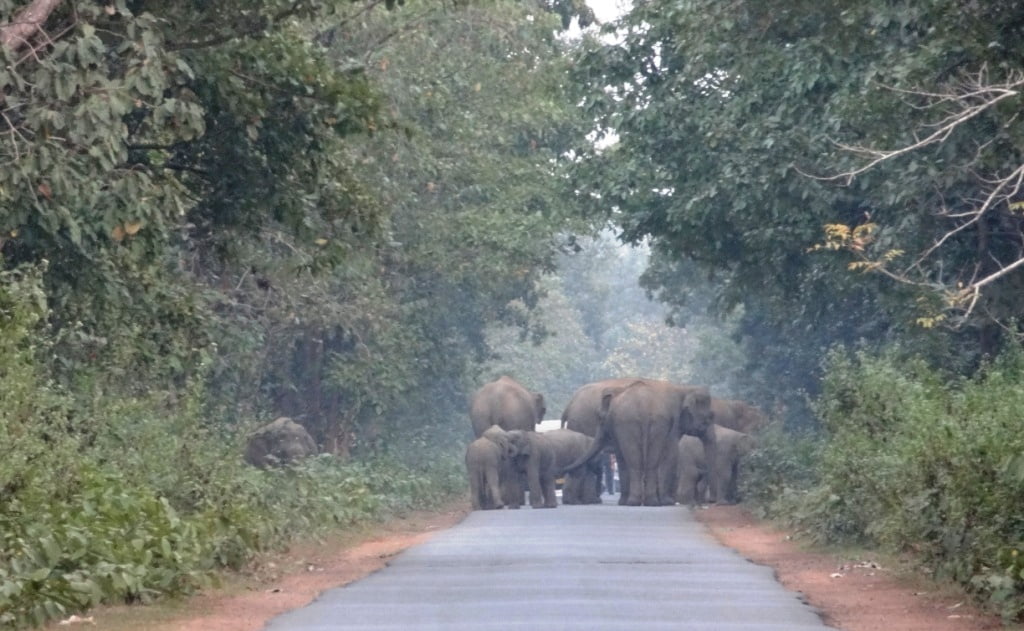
x,y
727,122
223,213
919,460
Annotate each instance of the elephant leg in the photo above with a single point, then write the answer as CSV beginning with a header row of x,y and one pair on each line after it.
x,y
593,481
534,484
547,483
635,497
651,474
711,460
569,490
668,475
494,487
589,489
576,488
686,490
511,487
593,488
624,482
609,475
475,492
721,481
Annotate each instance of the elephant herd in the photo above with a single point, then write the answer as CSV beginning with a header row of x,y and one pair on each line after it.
x,y
672,443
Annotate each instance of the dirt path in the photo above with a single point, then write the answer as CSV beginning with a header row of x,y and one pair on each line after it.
x,y
852,595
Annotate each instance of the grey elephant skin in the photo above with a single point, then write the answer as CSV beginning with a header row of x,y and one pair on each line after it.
x,y
644,422
280,442
535,461
488,465
506,403
732,448
737,415
693,472
583,414
567,447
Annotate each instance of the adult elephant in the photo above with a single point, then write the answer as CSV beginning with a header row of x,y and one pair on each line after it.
x,y
644,421
583,414
737,415
567,446
507,404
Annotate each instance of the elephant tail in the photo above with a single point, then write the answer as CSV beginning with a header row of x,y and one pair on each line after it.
x,y
593,452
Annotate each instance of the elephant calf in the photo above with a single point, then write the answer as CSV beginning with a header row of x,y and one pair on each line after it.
x,y
537,461
696,482
693,472
483,461
493,480
568,446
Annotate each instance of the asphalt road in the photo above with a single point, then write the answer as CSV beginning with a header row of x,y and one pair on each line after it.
x,y
587,568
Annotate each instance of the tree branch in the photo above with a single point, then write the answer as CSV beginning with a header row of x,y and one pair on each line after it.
x,y
17,33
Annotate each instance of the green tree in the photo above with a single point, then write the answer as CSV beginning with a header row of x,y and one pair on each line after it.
x,y
727,118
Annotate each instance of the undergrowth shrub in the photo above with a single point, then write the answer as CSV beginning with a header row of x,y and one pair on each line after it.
x,y
784,464
114,539
119,499
916,461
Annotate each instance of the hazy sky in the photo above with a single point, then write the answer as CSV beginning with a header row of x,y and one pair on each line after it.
x,y
607,10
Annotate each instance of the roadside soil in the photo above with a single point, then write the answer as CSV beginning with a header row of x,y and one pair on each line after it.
x,y
853,594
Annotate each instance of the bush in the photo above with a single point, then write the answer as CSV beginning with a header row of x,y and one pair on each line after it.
x,y
917,461
159,500
784,464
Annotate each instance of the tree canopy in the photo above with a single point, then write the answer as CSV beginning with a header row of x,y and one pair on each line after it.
x,y
743,131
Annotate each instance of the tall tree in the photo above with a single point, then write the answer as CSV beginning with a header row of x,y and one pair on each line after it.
x,y
727,116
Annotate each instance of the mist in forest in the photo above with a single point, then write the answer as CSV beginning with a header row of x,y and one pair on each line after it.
x,y
595,321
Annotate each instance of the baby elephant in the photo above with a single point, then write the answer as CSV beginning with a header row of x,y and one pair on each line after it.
x,y
536,460
568,447
483,461
489,466
696,483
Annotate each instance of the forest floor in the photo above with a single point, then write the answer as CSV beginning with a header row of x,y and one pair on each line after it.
x,y
853,593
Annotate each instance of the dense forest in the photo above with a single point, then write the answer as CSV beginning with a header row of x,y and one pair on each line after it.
x,y
353,213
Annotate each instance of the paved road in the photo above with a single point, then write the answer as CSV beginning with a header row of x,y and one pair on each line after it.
x,y
585,568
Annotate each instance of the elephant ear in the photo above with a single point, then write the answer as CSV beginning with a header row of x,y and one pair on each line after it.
x,y
507,448
502,440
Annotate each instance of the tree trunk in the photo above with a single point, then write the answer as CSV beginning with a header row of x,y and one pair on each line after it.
x,y
17,33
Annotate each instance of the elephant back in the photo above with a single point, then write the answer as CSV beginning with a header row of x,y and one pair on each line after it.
x,y
507,404
583,412
737,415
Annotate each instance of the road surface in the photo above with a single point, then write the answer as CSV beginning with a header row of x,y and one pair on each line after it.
x,y
587,568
